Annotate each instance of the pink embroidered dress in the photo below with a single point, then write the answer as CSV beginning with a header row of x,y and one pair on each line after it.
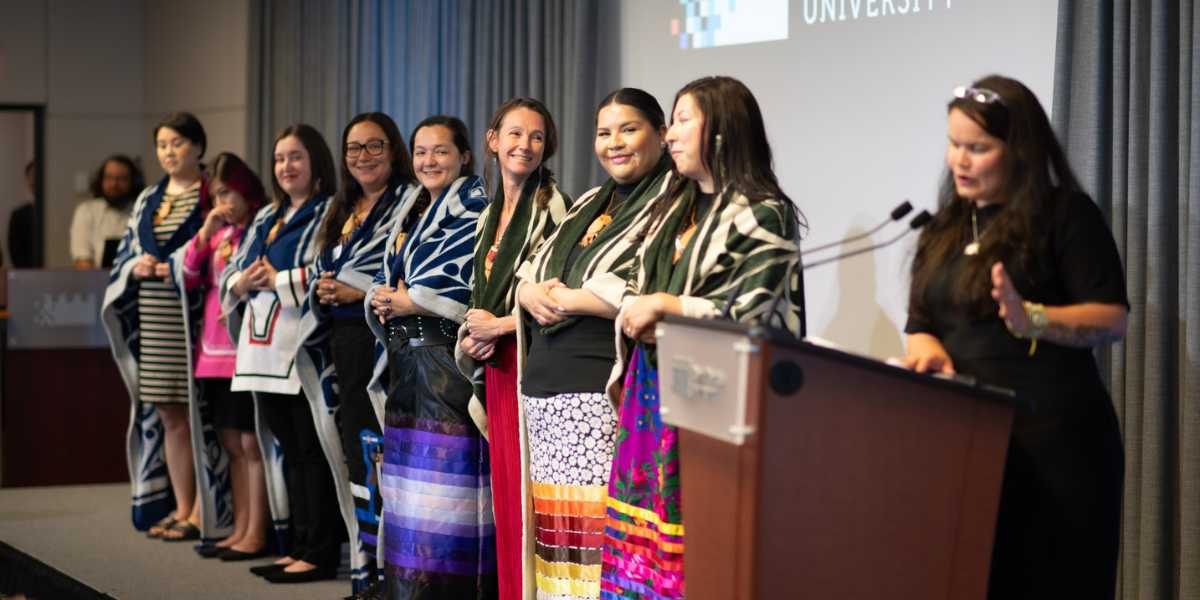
x,y
216,353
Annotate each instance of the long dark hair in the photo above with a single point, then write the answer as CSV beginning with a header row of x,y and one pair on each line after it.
x,y
548,149
137,181
320,161
1036,172
735,149
343,203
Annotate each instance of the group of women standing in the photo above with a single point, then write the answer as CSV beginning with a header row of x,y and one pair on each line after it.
x,y
470,384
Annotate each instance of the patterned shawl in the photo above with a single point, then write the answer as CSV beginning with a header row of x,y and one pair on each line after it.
x,y
151,491
360,260
527,231
292,253
435,262
738,245
603,265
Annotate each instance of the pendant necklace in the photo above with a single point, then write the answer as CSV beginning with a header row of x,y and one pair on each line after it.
x,y
973,248
602,221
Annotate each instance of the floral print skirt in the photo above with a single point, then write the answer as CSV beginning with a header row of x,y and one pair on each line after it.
x,y
570,454
643,532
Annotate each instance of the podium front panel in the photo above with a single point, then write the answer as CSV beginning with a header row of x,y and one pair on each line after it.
x,y
702,375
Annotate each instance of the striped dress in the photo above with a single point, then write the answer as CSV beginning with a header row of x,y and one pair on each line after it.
x,y
163,368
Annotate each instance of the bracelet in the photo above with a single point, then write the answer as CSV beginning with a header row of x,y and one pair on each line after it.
x,y
1038,322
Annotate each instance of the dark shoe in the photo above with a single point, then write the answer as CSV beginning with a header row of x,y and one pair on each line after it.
x,y
231,555
156,530
264,570
317,574
181,531
209,550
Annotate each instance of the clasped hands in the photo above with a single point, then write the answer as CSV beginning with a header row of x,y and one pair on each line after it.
x,y
147,266
260,275
483,330
333,292
391,302
550,301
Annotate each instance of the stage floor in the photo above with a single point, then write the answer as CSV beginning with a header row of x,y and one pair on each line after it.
x,y
84,532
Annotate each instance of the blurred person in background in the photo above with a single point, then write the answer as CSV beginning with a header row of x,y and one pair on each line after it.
x,y
99,222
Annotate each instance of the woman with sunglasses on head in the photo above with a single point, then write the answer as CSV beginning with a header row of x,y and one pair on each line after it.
x,y
570,291
338,344
263,293
723,228
147,318
525,208
1014,282
440,538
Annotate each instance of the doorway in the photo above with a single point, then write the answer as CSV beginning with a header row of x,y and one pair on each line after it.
x,y
22,185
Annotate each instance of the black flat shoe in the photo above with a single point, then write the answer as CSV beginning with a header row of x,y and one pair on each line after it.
x,y
264,570
231,555
317,574
209,550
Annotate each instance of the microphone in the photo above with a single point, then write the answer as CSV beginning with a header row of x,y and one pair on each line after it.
x,y
923,218
897,213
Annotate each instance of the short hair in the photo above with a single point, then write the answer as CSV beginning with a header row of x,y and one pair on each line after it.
x,y
185,124
137,180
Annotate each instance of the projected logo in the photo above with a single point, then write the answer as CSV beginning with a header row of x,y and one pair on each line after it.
x,y
711,23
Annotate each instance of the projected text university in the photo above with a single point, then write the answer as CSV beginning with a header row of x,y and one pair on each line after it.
x,y
821,11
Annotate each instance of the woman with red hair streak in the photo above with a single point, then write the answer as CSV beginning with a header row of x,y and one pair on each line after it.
x,y
237,194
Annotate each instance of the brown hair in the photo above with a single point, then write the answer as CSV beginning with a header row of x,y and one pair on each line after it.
x,y
548,150
324,176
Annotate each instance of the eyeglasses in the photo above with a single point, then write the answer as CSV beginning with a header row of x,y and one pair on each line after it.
x,y
373,148
980,95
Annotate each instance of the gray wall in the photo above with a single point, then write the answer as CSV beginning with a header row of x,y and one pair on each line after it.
x,y
106,71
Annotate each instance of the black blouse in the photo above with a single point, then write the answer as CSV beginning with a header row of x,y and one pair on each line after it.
x,y
579,358
1081,265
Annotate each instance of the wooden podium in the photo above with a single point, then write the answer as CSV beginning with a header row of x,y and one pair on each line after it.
x,y
812,473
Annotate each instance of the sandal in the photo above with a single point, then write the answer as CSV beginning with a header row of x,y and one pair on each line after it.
x,y
156,530
181,531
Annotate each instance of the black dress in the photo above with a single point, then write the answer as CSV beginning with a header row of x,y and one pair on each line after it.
x,y
1058,531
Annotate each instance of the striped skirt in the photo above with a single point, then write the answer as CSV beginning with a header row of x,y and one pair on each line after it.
x,y
439,536
643,533
570,454
163,364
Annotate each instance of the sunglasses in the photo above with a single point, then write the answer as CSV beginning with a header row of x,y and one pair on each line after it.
x,y
980,95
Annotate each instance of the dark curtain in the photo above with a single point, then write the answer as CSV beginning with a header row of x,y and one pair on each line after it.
x,y
323,62
1127,88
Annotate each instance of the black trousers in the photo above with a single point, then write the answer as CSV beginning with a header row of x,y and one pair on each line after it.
x,y
316,520
352,345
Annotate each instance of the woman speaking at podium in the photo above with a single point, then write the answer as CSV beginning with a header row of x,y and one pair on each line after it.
x,y
1014,282
722,240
